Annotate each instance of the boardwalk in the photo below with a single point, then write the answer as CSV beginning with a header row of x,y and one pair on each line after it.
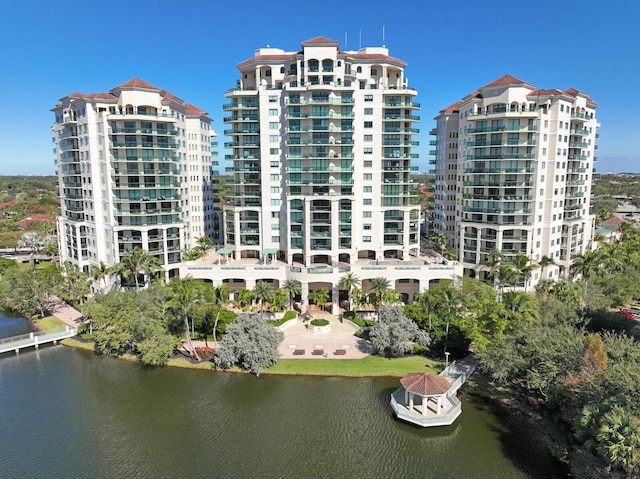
x,y
456,374
35,339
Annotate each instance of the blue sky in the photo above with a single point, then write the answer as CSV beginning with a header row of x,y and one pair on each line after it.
x,y
50,49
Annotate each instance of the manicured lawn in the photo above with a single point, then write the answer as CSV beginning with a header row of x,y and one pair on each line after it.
x,y
183,363
369,366
76,343
50,323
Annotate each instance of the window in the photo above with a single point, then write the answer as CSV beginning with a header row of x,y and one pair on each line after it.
x,y
366,201
275,189
374,71
366,239
273,112
275,177
366,226
367,189
368,137
274,164
274,151
275,202
367,177
367,163
275,239
368,124
368,111
273,139
273,125
275,226
368,97
368,151
272,98
366,214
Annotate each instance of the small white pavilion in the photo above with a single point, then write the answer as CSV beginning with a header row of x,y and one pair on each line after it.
x,y
429,388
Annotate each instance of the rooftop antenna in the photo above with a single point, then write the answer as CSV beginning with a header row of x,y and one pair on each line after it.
x,y
346,43
383,35
360,45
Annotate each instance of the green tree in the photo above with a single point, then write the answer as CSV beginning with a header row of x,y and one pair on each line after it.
x,y
100,274
377,288
448,298
246,297
319,297
619,439
250,343
349,281
136,263
583,266
393,333
440,240
204,245
220,299
293,288
523,267
263,292
185,294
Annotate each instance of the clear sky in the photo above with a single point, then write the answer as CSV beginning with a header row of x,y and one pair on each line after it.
x,y
49,49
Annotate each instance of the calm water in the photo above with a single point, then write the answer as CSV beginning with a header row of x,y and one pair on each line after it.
x,y
66,413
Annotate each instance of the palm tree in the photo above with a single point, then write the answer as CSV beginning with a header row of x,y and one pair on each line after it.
x,y
440,240
619,439
544,262
377,288
132,263
494,260
584,265
263,293
220,298
358,296
185,295
521,306
506,276
99,273
204,245
348,282
427,301
523,267
319,297
449,299
245,298
292,287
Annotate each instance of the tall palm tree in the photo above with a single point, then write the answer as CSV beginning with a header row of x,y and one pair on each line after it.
x,y
449,299
135,263
493,262
521,306
377,287
348,282
185,295
427,301
263,292
100,273
506,276
544,262
619,439
583,266
440,240
220,299
523,267
292,287
319,297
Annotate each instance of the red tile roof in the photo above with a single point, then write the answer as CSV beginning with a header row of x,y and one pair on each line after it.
x,y
505,80
425,384
319,40
192,110
138,83
545,92
376,56
101,96
451,108
616,220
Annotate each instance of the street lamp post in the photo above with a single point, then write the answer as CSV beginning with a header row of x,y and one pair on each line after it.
x,y
446,355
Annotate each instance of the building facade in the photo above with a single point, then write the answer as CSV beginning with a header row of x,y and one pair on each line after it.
x,y
322,143
521,159
134,169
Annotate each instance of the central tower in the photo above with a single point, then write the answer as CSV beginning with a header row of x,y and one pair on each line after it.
x,y
321,144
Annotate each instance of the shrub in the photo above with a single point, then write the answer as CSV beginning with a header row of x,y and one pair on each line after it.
x,y
289,315
319,322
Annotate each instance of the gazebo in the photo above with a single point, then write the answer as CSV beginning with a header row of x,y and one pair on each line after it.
x,y
427,386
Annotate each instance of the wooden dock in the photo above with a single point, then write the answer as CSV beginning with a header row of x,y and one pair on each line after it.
x,y
34,339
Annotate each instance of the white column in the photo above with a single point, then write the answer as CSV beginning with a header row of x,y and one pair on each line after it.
x,y
335,300
438,408
425,404
304,293
410,401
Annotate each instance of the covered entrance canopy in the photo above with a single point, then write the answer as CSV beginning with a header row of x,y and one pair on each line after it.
x,y
269,251
224,252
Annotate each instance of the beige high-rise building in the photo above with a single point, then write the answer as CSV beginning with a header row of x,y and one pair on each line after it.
x,y
134,168
521,160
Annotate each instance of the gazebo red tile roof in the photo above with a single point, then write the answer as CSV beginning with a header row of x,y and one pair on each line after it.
x,y
138,83
425,384
505,80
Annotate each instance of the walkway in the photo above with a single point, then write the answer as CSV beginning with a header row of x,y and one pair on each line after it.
x,y
299,338
36,338
66,313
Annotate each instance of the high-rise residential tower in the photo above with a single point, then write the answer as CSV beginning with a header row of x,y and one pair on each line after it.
x,y
134,168
322,142
513,173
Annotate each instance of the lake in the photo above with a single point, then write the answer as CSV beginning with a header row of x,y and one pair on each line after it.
x,y
67,413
